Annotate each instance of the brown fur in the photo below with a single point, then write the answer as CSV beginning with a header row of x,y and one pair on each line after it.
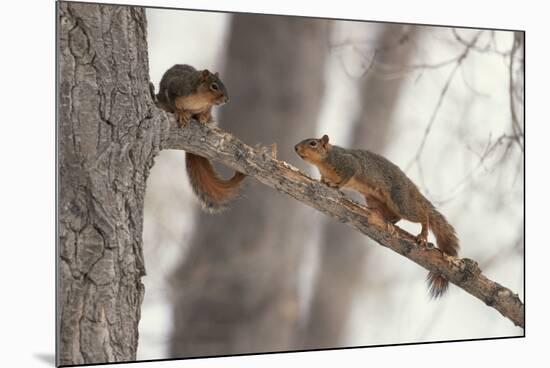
x,y
447,241
191,93
213,192
328,174
379,206
196,103
387,190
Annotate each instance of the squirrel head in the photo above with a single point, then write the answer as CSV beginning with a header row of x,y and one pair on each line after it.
x,y
211,85
313,150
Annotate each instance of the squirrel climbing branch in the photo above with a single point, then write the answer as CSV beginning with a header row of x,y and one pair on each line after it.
x,y
220,146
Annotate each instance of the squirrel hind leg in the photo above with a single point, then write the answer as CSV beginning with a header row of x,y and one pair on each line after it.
x,y
422,238
391,217
205,117
382,209
184,117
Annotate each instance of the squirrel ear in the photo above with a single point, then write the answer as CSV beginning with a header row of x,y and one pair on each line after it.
x,y
205,73
325,139
216,74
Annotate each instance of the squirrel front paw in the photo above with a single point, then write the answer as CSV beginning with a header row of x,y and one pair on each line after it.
x,y
390,228
204,117
184,117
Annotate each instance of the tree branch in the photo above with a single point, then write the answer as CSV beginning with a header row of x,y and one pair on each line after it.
x,y
516,128
444,90
218,145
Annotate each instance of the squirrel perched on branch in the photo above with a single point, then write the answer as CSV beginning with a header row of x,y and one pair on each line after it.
x,y
191,93
387,190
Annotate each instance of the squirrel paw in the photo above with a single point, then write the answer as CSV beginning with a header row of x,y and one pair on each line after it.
x,y
391,229
421,240
204,117
184,118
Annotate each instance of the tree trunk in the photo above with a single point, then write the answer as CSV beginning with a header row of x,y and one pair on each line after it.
x,y
343,252
106,148
237,290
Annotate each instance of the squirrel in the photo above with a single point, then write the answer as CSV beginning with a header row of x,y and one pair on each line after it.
x,y
191,93
387,191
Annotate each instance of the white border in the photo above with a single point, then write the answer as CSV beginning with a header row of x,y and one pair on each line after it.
x,y
27,185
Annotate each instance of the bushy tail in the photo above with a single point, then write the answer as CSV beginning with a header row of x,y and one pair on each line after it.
x,y
447,241
213,192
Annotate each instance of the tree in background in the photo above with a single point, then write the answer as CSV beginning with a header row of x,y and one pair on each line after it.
x,y
236,290
343,252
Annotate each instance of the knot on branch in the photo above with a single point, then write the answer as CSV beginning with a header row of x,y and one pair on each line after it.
x,y
470,269
408,246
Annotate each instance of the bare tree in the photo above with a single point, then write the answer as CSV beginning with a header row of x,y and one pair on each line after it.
x,y
107,141
236,291
343,253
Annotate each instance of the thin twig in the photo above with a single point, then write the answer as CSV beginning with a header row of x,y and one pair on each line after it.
x,y
468,44
428,128
515,123
489,150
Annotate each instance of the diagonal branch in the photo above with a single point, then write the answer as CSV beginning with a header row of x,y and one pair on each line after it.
x,y
218,145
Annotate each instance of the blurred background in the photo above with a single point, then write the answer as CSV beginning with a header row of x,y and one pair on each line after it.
x,y
271,274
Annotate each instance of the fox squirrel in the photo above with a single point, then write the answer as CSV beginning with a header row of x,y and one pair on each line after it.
x,y
387,190
189,93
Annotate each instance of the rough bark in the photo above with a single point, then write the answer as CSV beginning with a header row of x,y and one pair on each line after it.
x,y
107,141
342,267
223,147
237,289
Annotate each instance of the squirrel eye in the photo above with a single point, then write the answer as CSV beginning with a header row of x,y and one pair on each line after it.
x,y
313,143
214,87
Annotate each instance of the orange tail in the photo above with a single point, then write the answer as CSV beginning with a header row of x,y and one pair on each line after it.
x,y
213,192
447,241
